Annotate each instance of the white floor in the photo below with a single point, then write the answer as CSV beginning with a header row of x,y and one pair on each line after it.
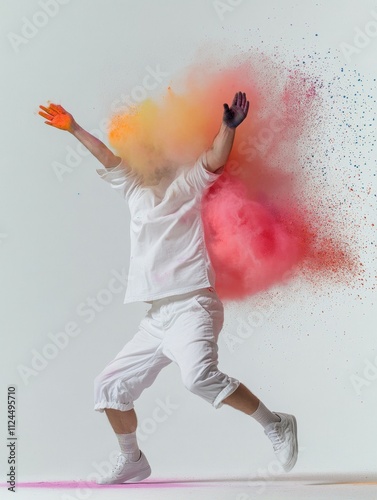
x,y
308,489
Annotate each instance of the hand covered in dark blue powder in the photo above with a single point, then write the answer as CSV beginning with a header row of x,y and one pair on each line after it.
x,y
236,114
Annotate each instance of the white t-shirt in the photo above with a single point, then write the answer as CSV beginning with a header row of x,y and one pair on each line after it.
x,y
168,251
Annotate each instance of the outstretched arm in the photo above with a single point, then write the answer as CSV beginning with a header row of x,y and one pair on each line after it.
x,y
219,152
58,117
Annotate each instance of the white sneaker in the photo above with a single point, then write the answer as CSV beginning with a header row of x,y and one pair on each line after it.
x,y
127,471
283,435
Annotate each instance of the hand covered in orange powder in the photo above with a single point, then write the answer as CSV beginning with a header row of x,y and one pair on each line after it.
x,y
58,117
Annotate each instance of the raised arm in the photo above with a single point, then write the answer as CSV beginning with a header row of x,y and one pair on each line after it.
x,y
219,152
58,117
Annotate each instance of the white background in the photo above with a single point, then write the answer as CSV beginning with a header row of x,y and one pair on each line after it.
x,y
61,242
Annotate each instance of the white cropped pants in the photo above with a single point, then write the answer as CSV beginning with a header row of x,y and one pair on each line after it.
x,y
182,328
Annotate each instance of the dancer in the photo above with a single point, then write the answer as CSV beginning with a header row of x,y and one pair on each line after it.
x,y
170,269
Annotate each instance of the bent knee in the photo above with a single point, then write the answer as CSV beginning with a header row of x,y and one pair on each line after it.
x,y
195,383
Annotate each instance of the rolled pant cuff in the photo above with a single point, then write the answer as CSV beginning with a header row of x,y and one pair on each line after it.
x,y
227,391
115,406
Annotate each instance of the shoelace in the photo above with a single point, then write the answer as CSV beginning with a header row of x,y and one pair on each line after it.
x,y
120,462
276,437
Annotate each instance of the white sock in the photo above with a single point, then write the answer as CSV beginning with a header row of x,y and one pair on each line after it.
x,y
264,416
128,445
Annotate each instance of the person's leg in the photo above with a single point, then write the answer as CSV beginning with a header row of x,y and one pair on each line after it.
x,y
133,369
122,381
192,344
122,422
244,400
